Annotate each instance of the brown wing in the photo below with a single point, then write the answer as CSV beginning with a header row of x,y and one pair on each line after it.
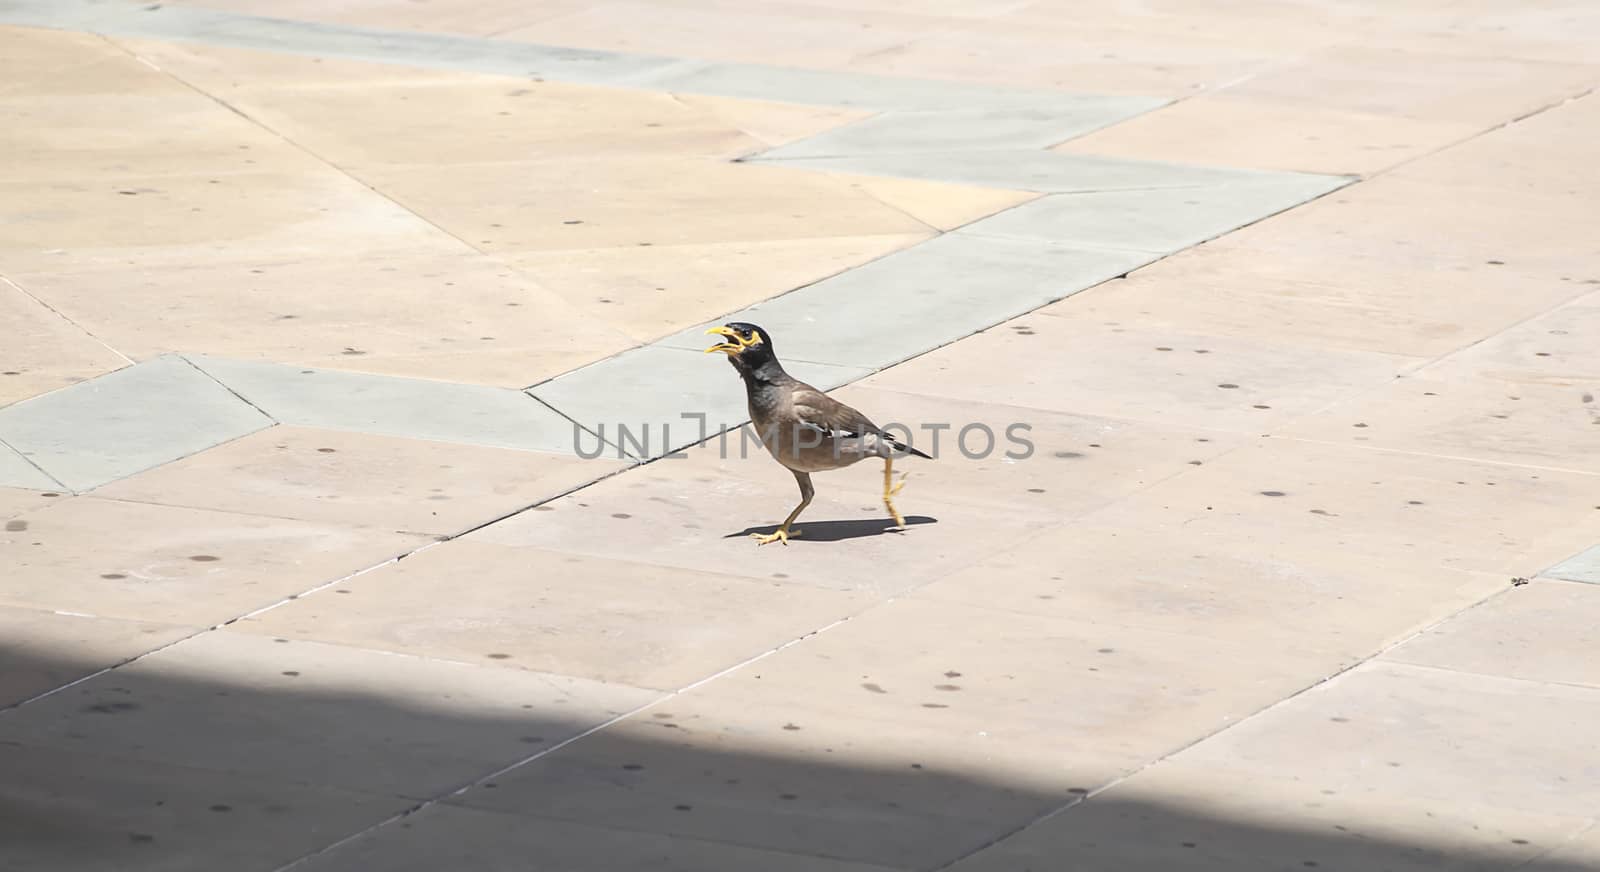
x,y
818,410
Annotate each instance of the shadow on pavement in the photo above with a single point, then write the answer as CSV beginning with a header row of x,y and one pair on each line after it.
x,y
837,531
147,769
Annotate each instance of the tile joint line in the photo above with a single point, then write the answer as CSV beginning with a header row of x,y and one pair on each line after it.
x,y
1079,800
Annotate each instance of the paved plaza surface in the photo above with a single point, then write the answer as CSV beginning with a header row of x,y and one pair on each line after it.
x,y
311,313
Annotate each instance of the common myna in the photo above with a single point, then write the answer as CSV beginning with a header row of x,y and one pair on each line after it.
x,y
803,428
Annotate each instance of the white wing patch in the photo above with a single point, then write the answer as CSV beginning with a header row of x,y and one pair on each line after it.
x,y
829,432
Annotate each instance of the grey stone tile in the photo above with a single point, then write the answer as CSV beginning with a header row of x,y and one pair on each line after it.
x,y
948,130
326,715
1022,169
126,421
434,50
1584,566
1158,220
388,405
649,390
919,299
449,837
558,63
16,471
89,812
62,15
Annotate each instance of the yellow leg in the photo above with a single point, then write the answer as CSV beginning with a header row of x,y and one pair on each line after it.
x,y
783,532
890,488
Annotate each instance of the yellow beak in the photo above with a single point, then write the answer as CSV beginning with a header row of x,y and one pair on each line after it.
x,y
738,344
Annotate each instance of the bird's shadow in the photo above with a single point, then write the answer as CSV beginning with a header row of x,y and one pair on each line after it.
x,y
837,531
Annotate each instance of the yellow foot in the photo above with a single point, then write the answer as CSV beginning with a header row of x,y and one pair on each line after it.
x,y
899,522
889,491
778,535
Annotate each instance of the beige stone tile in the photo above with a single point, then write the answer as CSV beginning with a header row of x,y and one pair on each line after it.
x,y
1208,587
138,561
87,811
1392,222
1219,130
1401,512
695,513
361,480
45,650
165,220
908,735
1525,395
38,62
1537,632
1055,359
1542,155
17,501
1097,700
453,317
1255,26
447,837
1327,297
1417,84
975,10
1524,230
582,616
43,351
32,48
1040,464
1173,816
781,33
628,202
939,205
773,123
653,291
412,123
1387,730
1531,424
1560,348
1098,58
111,136
325,715
1557,32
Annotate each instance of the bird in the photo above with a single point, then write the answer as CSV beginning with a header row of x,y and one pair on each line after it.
x,y
803,428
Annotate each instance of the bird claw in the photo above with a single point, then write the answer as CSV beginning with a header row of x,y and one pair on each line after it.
x,y
778,535
899,522
888,492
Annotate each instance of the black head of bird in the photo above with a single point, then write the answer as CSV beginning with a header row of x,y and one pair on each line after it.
x,y
749,348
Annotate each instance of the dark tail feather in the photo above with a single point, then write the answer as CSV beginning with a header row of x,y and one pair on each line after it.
x,y
901,446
